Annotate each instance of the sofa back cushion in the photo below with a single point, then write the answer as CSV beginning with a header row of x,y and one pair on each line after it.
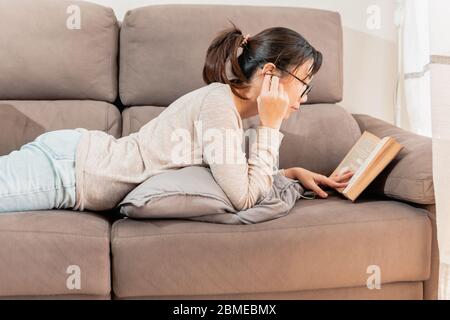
x,y
22,121
163,47
316,138
409,177
42,58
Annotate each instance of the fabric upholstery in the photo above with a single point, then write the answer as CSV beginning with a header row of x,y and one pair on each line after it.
x,y
409,176
322,243
430,287
391,291
38,247
163,47
320,250
22,121
316,138
133,118
41,58
308,140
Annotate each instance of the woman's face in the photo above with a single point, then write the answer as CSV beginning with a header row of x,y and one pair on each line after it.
x,y
293,87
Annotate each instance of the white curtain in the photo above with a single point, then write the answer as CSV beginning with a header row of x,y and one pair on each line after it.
x,y
413,110
440,107
423,107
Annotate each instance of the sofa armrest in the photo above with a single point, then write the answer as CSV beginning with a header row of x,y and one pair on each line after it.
x,y
409,177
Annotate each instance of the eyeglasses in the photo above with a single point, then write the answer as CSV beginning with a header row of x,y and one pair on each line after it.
x,y
308,87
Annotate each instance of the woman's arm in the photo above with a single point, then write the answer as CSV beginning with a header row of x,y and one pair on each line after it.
x,y
244,182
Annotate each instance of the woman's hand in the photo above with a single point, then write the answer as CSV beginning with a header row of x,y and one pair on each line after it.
x,y
312,181
273,102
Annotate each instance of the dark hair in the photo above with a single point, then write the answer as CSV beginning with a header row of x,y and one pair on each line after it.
x,y
281,46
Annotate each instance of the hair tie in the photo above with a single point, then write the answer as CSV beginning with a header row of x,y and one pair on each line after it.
x,y
245,40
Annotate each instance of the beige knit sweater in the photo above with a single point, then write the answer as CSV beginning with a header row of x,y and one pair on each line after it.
x,y
201,128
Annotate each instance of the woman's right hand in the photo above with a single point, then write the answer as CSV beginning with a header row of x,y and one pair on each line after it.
x,y
273,102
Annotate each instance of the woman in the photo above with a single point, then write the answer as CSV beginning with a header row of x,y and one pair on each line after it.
x,y
91,170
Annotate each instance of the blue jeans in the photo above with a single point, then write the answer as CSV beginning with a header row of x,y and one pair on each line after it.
x,y
41,174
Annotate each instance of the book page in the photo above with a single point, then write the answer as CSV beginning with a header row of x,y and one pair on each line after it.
x,y
387,152
358,155
366,163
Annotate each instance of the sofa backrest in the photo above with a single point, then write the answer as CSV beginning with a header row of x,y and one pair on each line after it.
x,y
162,51
316,138
53,76
41,58
163,47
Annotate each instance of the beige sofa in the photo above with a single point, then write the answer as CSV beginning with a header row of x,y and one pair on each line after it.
x,y
54,77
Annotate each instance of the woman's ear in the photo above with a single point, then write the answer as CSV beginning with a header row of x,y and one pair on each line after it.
x,y
269,68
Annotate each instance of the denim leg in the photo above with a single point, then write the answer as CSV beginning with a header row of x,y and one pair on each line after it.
x,y
41,174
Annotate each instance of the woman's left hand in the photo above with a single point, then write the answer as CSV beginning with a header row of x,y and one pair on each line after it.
x,y
312,181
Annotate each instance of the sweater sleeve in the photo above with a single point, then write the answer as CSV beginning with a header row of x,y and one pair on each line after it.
x,y
245,182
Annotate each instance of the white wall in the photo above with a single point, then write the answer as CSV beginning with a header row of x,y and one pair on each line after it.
x,y
369,55
440,109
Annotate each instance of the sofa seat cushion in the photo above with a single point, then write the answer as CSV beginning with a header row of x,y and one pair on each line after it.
x,y
322,243
44,253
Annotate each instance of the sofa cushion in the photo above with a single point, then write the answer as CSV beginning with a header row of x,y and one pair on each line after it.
x,y
22,121
41,250
133,118
322,243
41,58
316,138
391,291
183,193
163,47
409,177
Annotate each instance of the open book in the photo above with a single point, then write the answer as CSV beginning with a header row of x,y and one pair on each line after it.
x,y
367,158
